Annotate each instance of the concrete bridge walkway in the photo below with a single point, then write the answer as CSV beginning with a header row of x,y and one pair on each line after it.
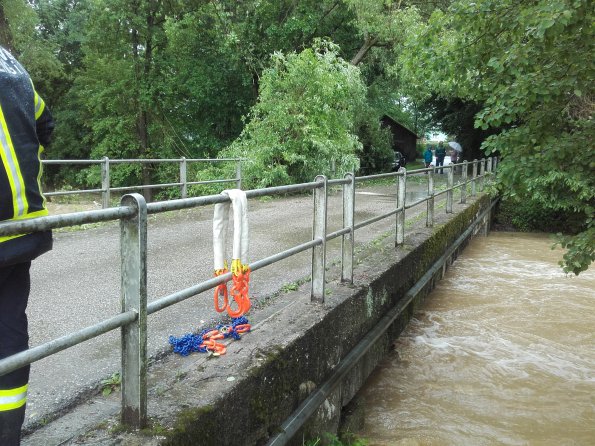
x,y
78,283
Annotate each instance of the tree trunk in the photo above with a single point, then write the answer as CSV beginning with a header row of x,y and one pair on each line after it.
x,y
368,43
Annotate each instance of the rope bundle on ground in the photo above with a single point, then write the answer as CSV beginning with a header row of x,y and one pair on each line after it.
x,y
206,340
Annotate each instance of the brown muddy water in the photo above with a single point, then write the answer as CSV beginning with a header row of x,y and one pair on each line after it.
x,y
502,352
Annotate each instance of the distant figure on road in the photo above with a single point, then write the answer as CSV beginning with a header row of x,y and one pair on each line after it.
x,y
454,158
25,127
428,155
440,154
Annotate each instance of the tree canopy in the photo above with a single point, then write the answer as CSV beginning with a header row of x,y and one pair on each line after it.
x,y
529,66
295,86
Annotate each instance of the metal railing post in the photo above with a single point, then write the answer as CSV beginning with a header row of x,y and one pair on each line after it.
x,y
449,189
347,241
474,179
401,195
464,180
183,177
239,174
482,173
105,183
430,202
319,233
133,249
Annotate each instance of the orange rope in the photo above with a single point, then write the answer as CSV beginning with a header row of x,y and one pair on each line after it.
x,y
221,290
239,292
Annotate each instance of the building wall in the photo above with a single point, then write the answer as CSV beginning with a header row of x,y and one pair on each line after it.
x,y
404,140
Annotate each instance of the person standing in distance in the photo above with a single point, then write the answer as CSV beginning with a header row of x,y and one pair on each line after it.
x,y
25,128
440,154
428,155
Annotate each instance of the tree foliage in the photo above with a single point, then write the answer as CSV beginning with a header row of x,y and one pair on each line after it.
x,y
305,118
156,78
530,65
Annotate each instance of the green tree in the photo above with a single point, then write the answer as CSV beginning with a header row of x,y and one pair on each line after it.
x,y
19,33
530,64
304,120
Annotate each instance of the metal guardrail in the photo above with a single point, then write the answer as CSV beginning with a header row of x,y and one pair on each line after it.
x,y
106,188
132,213
306,409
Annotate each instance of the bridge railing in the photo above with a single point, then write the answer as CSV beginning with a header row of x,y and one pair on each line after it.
x,y
106,187
132,214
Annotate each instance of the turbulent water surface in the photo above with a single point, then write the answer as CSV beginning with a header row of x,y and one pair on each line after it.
x,y
502,352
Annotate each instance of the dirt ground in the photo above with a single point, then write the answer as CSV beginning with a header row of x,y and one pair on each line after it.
x,y
55,208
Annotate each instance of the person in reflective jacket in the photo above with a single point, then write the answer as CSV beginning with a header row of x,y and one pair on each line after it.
x,y
25,128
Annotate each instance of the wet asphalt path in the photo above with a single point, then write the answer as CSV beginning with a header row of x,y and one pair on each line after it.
x,y
77,284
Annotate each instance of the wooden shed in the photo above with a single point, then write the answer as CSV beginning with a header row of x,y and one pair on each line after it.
x,y
404,140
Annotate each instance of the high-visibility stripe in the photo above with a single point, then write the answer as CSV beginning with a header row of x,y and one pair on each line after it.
x,y
39,106
13,172
13,398
39,188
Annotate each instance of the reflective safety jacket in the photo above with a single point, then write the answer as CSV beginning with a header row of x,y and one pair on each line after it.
x,y
25,127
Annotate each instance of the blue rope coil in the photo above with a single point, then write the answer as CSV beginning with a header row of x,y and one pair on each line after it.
x,y
191,342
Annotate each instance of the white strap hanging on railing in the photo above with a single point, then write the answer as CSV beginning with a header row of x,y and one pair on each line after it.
x,y
239,203
239,264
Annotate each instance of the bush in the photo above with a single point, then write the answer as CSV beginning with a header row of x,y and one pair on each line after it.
x,y
529,215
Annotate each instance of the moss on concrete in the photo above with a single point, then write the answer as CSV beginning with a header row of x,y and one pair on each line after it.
x,y
251,411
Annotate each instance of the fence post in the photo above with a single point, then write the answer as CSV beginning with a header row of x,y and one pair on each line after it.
x,y
401,194
133,251
105,183
489,169
474,179
430,202
482,172
183,177
239,174
347,240
319,232
464,180
449,190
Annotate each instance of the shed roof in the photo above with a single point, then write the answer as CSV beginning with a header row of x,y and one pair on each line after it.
x,y
399,124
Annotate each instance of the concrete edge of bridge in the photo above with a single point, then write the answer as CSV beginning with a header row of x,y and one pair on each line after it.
x,y
244,396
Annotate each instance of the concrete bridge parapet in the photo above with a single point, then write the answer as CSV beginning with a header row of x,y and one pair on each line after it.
x,y
245,396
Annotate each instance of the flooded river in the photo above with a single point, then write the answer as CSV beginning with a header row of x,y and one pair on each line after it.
x,y
502,352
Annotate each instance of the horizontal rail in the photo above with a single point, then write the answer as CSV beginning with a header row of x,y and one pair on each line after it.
x,y
417,202
141,161
375,219
72,192
133,218
15,227
307,408
338,233
106,188
192,291
377,176
62,343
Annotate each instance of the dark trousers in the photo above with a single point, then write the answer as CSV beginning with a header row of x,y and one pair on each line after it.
x,y
14,337
440,162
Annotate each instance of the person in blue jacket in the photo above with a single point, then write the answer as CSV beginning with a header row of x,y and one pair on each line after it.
x,y
25,128
428,155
